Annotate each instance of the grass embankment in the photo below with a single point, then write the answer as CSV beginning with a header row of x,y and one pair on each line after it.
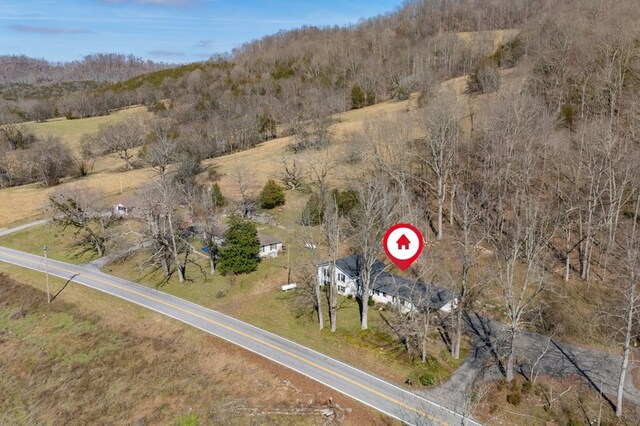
x,y
63,363
61,245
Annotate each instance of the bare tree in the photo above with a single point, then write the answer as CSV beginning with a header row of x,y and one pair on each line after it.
x,y
292,174
467,289
246,188
521,276
441,125
169,243
120,139
162,150
331,228
51,160
631,296
84,210
377,210
311,278
205,213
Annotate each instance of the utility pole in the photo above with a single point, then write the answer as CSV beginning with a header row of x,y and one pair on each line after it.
x,y
46,268
288,267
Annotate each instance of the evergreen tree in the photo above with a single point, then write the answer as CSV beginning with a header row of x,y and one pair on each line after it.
x,y
358,97
313,212
272,195
239,252
216,195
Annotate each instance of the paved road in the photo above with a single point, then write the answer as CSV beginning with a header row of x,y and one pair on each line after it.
x,y
21,227
374,392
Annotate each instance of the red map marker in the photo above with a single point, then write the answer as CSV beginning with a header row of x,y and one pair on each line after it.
x,y
403,244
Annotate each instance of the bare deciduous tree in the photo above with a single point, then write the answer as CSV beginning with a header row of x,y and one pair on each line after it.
x,y
246,187
377,210
292,174
162,227
120,139
84,210
441,125
331,228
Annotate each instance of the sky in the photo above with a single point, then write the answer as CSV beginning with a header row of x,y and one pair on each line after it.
x,y
175,31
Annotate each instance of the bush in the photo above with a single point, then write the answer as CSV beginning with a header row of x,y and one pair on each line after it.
x,y
358,97
239,252
313,212
485,78
567,115
370,301
347,201
526,387
514,399
509,53
402,93
427,379
272,195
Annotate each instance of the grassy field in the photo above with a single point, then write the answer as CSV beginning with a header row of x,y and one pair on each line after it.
x,y
61,245
71,131
83,365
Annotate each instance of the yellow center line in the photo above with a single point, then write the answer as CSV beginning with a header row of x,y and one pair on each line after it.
x,y
241,333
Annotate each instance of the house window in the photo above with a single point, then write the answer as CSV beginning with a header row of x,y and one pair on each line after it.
x,y
273,247
342,278
342,289
327,273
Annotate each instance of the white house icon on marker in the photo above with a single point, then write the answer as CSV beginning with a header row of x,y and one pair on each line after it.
x,y
403,243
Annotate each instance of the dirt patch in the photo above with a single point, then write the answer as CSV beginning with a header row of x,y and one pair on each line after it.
x,y
119,368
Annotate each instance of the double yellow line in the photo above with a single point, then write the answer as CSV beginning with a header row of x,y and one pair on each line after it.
x,y
241,333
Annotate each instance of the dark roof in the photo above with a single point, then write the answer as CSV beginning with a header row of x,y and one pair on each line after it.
x,y
350,266
416,292
413,291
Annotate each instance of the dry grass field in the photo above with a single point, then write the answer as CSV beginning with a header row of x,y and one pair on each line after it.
x,y
82,364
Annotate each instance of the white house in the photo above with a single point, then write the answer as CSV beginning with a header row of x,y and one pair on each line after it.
x,y
346,275
407,294
269,246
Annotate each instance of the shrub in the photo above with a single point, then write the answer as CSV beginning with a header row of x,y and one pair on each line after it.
x,y
485,77
358,97
370,301
526,387
402,93
427,379
313,212
509,53
567,115
347,201
266,126
514,399
272,195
